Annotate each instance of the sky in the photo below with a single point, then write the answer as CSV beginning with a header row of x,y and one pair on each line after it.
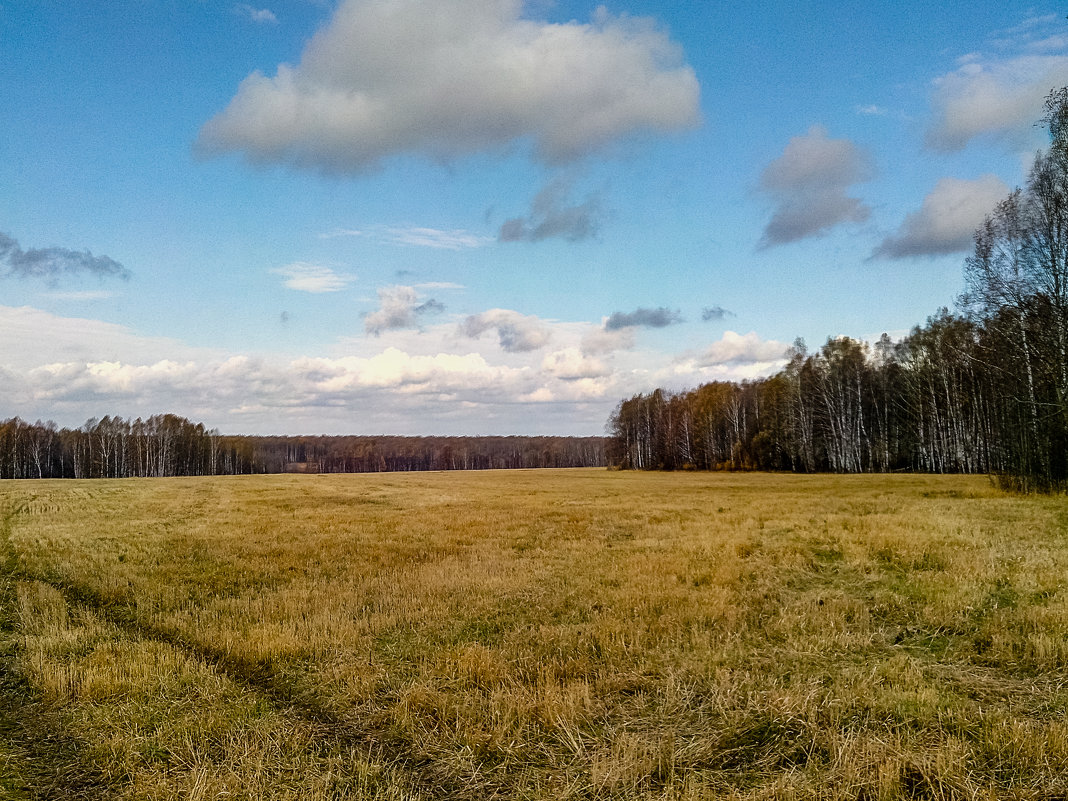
x,y
484,216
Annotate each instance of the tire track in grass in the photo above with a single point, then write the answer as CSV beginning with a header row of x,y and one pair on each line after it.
x,y
38,759
393,751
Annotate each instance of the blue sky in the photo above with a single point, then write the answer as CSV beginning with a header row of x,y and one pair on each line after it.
x,y
483,216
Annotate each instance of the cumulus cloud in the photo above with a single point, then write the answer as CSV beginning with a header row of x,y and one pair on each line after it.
x,y
946,221
571,364
643,318
737,349
314,278
552,214
999,98
445,78
399,307
809,183
52,263
260,15
713,314
601,341
517,333
393,368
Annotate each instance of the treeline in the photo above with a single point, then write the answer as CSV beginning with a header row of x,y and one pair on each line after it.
x,y
169,445
985,390
364,454
933,402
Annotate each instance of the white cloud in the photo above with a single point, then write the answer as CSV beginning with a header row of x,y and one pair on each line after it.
x,y
570,364
399,307
608,340
261,15
314,278
33,337
999,98
467,373
516,332
741,349
70,369
242,381
56,367
445,78
947,220
809,184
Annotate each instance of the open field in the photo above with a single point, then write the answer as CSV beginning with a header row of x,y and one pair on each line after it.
x,y
532,635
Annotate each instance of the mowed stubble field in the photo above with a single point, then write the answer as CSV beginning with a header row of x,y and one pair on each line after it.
x,y
533,635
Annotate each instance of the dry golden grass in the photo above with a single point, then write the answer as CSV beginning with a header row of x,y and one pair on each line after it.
x,y
534,635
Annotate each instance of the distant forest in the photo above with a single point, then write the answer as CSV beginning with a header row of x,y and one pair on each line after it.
x,y
168,445
981,391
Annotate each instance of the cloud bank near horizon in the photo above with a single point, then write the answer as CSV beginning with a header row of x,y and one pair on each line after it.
x,y
402,382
